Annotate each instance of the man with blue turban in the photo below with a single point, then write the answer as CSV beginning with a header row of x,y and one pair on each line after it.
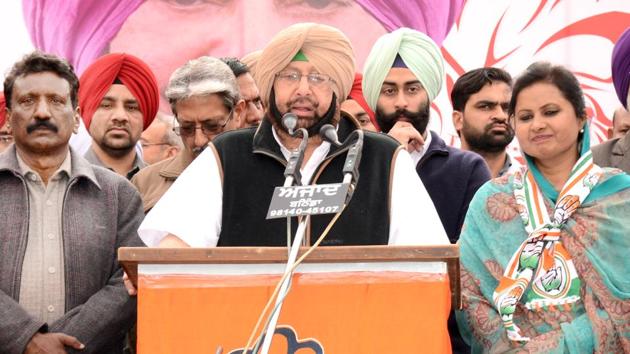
x,y
616,152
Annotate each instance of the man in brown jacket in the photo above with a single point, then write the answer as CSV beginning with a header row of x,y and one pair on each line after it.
x,y
204,98
62,222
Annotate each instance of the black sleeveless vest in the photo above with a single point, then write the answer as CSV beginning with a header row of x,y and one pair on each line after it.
x,y
253,165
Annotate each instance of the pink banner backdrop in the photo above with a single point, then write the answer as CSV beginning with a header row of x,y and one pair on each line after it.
x,y
579,34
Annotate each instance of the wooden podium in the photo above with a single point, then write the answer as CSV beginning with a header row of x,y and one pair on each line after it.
x,y
368,299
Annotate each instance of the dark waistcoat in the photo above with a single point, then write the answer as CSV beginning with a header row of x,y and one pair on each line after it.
x,y
253,165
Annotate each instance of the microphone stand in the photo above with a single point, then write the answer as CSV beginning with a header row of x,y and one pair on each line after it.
x,y
351,176
292,176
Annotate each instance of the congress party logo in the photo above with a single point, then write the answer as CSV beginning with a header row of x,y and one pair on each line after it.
x,y
293,343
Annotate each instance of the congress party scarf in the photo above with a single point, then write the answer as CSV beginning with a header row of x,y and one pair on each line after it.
x,y
541,269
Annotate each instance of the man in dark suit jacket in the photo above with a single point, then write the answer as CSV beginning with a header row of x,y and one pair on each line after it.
x,y
61,286
403,74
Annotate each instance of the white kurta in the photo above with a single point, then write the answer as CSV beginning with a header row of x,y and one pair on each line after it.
x,y
418,154
191,209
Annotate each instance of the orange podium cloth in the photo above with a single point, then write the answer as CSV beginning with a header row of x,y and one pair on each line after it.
x,y
345,312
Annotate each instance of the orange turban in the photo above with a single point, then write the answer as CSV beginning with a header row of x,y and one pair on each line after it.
x,y
131,71
357,94
326,47
3,110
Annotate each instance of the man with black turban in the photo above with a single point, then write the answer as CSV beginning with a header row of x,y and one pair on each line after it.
x,y
307,69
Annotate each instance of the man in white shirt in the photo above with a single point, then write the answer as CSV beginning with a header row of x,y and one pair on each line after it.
x,y
222,198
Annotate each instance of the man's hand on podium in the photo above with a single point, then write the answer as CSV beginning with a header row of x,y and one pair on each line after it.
x,y
130,288
53,343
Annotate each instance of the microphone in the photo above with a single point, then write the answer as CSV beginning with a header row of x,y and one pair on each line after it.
x,y
354,144
328,133
353,159
292,170
289,122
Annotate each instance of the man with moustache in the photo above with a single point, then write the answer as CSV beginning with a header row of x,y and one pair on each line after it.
x,y
222,198
119,98
63,220
402,75
481,98
254,109
205,100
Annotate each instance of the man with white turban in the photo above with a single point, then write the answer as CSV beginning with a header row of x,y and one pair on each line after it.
x,y
222,198
403,74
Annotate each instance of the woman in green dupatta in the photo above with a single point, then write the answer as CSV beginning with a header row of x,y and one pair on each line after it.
x,y
546,251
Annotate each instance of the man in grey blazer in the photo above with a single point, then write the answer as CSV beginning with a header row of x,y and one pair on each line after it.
x,y
616,152
62,222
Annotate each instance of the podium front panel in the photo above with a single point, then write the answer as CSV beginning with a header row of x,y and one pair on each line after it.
x,y
391,307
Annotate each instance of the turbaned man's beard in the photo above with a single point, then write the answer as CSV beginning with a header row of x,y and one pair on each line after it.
x,y
419,120
319,121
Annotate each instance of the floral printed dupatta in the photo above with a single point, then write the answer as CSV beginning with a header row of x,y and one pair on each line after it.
x,y
595,237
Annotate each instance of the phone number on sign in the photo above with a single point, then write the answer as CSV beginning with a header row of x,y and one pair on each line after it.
x,y
304,211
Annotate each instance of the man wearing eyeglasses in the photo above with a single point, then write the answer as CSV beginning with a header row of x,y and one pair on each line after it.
x,y
254,109
205,100
119,99
221,199
159,142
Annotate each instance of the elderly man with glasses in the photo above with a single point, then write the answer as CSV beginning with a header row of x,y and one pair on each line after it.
x,y
159,142
222,197
205,100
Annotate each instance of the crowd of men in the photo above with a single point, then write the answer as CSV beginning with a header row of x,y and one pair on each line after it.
x,y
202,172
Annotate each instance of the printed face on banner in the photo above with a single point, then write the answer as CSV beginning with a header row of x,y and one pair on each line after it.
x,y
513,35
168,33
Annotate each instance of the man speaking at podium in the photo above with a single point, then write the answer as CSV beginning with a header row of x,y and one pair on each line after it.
x,y
222,198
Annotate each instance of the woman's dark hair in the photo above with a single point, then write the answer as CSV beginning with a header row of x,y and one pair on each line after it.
x,y
557,75
38,62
